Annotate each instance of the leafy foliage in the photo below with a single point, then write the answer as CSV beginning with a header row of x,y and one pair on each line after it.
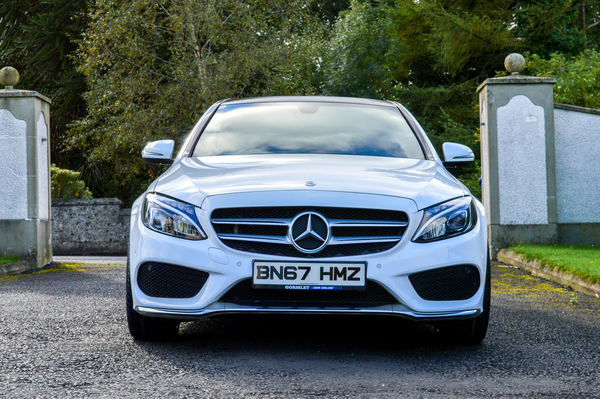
x,y
37,37
449,41
147,69
550,26
67,185
153,67
470,177
578,78
328,10
429,55
356,60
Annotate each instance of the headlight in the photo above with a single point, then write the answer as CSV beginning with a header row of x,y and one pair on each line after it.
x,y
171,217
446,220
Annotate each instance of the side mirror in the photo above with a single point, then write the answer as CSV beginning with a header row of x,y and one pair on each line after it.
x,y
457,155
159,152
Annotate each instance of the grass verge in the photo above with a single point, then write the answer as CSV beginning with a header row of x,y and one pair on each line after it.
x,y
583,262
8,259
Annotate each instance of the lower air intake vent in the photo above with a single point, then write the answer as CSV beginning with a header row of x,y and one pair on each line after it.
x,y
162,280
454,283
244,294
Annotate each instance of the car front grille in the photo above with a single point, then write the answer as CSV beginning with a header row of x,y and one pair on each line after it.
x,y
354,231
453,283
244,294
162,280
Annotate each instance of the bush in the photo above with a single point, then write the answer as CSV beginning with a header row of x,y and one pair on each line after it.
x,y
470,178
577,78
67,185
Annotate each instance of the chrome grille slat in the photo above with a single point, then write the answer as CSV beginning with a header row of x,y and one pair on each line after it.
x,y
258,222
362,240
256,238
365,223
265,230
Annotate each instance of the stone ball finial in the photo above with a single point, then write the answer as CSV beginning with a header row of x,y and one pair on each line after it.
x,y
514,63
9,77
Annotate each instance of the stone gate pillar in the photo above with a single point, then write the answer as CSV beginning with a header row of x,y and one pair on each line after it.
x,y
517,157
25,225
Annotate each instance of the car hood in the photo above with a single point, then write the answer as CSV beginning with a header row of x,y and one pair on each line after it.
x,y
193,179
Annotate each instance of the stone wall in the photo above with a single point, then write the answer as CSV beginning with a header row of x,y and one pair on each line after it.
x,y
540,174
577,138
90,227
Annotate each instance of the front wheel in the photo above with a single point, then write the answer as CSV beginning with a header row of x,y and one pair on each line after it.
x,y
146,328
471,331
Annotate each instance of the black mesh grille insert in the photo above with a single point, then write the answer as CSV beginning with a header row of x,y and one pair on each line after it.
x,y
162,280
243,294
454,283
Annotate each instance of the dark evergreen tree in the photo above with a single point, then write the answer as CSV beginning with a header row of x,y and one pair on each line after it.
x,y
39,38
547,26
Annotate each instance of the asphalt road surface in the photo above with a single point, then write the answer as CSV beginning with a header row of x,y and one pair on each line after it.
x,y
63,334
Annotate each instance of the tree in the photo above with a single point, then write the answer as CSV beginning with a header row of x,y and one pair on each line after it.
x,y
38,38
356,61
429,55
589,20
548,26
328,10
566,26
432,54
153,67
578,78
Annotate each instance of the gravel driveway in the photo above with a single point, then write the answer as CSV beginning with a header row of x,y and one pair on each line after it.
x,y
63,334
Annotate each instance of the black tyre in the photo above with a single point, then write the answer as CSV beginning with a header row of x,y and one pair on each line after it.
x,y
471,331
147,328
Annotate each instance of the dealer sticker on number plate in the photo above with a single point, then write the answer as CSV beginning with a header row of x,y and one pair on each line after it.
x,y
309,275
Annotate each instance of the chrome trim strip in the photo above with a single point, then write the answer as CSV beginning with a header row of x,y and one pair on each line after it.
x,y
333,222
253,238
365,223
285,239
184,314
258,222
362,240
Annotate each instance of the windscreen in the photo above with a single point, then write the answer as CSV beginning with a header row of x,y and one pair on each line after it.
x,y
308,128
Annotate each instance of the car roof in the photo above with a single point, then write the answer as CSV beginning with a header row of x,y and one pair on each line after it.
x,y
346,100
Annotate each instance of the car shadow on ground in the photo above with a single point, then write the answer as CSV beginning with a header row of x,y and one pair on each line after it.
x,y
304,336
293,331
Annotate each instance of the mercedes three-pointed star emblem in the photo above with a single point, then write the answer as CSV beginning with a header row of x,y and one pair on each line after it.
x,y
309,232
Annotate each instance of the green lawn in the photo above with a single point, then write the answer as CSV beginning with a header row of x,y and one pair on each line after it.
x,y
8,259
583,262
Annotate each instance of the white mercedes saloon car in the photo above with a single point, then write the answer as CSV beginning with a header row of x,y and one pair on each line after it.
x,y
308,205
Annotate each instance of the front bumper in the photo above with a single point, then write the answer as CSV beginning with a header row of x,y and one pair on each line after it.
x,y
390,269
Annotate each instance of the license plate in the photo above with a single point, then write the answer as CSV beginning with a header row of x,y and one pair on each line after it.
x,y
309,275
